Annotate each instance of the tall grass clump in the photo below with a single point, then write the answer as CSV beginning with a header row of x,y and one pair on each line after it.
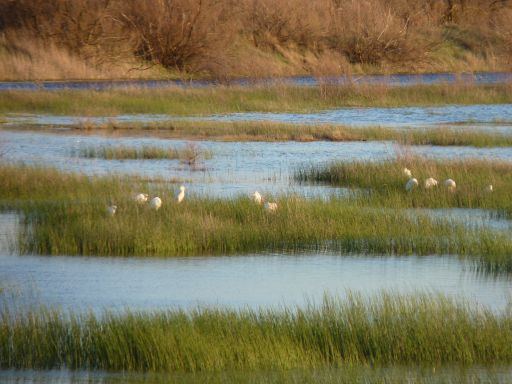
x,y
381,330
386,181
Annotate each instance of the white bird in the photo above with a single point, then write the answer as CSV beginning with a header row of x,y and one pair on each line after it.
x,y
430,182
489,188
270,207
155,203
258,199
413,182
407,172
181,195
450,184
111,211
141,198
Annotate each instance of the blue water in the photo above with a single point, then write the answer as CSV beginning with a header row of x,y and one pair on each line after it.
x,y
392,80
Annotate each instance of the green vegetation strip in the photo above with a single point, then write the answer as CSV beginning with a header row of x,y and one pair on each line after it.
x,y
385,329
272,131
190,153
206,101
387,182
73,220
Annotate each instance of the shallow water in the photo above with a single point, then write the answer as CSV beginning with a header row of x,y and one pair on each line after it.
x,y
260,280
392,80
495,117
354,374
237,168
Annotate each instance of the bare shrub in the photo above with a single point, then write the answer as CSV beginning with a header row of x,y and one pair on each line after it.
x,y
188,35
371,32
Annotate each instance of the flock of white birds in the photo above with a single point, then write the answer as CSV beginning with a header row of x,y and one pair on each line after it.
x,y
431,183
155,203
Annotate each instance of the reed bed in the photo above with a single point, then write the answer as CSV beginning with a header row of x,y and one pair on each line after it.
x,y
273,132
226,99
381,330
73,220
386,181
190,153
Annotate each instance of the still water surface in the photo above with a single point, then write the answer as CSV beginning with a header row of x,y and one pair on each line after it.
x,y
237,168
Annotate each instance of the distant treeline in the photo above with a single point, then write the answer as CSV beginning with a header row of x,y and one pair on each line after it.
x,y
223,38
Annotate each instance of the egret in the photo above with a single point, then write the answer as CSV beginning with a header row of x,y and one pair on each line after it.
x,y
489,188
111,211
270,207
430,182
141,198
407,172
155,203
258,199
413,182
450,184
181,195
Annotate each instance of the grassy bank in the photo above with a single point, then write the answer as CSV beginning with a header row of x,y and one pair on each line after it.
x,y
273,132
190,154
206,101
73,220
387,182
383,330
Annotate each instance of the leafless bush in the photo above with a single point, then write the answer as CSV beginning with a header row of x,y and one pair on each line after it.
x,y
187,35
371,32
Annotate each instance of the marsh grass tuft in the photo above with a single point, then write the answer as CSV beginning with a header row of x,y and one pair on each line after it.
x,y
380,330
386,181
190,154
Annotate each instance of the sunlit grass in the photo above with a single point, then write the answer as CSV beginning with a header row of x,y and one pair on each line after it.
x,y
272,131
279,98
382,330
386,181
72,220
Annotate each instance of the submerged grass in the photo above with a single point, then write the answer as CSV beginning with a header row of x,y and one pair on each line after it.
x,y
381,330
279,98
72,220
187,153
386,182
272,131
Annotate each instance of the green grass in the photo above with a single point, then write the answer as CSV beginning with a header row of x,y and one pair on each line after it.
x,y
72,220
383,330
271,132
189,102
387,182
188,153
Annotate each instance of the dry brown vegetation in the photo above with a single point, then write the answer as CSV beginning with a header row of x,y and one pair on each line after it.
x,y
223,38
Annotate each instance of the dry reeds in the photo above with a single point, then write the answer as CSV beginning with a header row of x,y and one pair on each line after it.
x,y
252,37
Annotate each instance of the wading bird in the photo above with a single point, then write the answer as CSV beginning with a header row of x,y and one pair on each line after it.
x,y
430,182
111,211
258,199
407,172
155,203
450,184
270,207
141,198
181,194
411,184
